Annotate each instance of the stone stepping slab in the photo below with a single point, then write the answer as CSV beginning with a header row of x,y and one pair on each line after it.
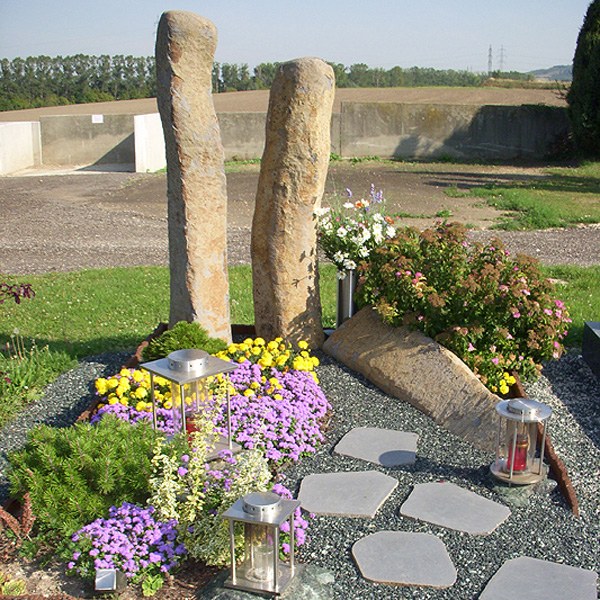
x,y
401,558
349,494
451,506
384,447
528,578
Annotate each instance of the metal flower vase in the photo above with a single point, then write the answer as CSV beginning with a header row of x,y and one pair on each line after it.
x,y
346,306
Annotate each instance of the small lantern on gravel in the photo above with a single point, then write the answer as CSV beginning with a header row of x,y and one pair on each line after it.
x,y
261,570
189,372
519,457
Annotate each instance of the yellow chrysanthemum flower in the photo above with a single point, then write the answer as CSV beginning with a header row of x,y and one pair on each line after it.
x,y
303,345
124,373
272,346
249,392
141,393
138,376
112,383
140,406
101,386
259,341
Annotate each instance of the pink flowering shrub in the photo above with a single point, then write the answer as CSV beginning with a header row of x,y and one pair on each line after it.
x,y
496,312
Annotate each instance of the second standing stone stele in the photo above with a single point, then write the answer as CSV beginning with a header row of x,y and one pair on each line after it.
x,y
291,184
197,196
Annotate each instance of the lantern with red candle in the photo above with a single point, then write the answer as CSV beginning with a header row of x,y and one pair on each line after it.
x,y
519,457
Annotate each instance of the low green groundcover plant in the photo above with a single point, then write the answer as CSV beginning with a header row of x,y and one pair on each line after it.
x,y
496,312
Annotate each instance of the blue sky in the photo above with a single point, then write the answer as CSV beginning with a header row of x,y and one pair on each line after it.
x,y
444,34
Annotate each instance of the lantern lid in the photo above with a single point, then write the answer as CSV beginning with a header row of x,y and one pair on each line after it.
x,y
261,504
184,366
187,360
524,410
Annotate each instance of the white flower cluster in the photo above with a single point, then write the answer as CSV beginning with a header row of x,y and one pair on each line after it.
x,y
349,233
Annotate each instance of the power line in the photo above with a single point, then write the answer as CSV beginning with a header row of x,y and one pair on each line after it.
x,y
501,59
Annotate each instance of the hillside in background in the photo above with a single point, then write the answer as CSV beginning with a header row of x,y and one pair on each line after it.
x,y
556,73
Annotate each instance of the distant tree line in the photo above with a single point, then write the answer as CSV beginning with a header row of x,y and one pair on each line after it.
x,y
50,81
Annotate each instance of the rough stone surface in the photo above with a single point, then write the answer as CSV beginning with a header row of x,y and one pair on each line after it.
x,y
311,583
401,558
291,184
383,447
399,361
451,506
196,186
534,579
351,494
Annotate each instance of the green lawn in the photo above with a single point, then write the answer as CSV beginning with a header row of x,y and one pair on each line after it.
x,y
564,197
94,311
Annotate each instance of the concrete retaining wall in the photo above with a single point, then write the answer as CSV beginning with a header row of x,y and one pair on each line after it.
x,y
20,146
391,130
88,140
149,151
387,130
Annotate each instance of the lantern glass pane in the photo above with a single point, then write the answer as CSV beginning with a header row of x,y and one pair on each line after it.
x,y
259,553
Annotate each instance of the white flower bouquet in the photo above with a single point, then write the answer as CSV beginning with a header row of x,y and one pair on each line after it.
x,y
348,234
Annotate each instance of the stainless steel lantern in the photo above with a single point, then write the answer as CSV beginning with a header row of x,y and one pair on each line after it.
x,y
519,457
261,570
188,371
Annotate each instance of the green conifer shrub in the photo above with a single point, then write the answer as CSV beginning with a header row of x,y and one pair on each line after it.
x,y
584,96
182,335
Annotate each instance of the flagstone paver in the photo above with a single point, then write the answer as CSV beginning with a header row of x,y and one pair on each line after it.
x,y
402,558
528,578
349,494
451,506
384,447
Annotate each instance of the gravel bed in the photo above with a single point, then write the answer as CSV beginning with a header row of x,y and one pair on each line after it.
x,y
540,526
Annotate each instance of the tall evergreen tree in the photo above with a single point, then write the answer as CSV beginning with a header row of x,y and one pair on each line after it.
x,y
584,95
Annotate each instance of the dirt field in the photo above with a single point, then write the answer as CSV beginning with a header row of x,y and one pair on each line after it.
x,y
257,101
94,220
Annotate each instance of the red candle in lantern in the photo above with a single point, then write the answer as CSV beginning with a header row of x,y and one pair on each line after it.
x,y
520,453
190,426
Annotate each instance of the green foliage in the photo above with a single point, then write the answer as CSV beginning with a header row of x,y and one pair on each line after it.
x,y
584,95
50,81
196,493
578,287
12,587
24,371
181,336
496,313
563,197
151,584
74,475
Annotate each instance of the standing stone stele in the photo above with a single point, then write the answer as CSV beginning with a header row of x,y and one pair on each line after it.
x,y
196,185
291,183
